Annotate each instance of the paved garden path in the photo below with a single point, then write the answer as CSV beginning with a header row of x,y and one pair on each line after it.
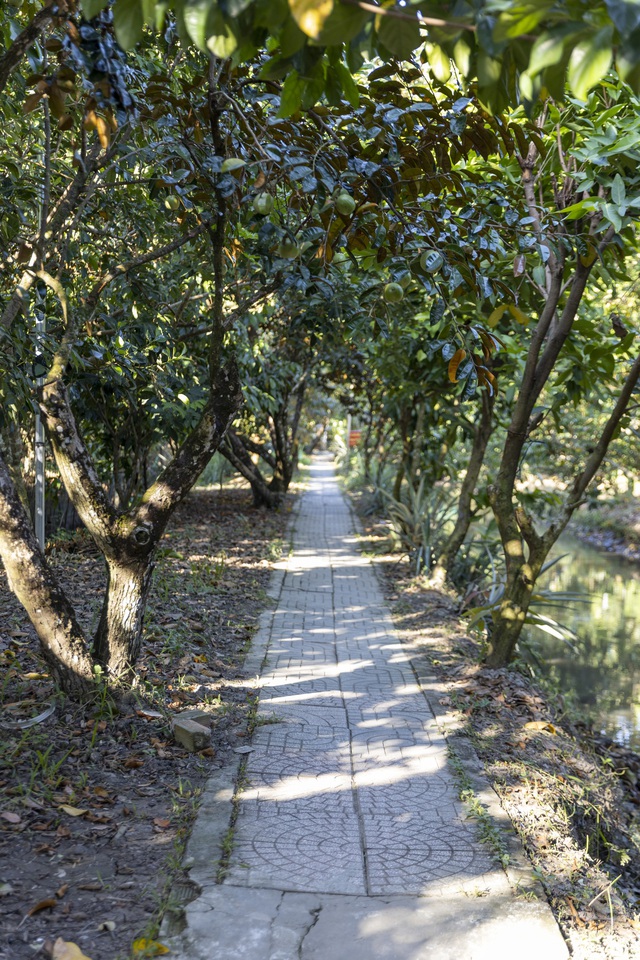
x,y
349,839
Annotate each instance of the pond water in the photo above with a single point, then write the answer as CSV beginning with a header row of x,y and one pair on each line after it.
x,y
603,669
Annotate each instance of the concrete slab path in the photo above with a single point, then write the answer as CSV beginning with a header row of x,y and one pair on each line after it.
x,y
349,840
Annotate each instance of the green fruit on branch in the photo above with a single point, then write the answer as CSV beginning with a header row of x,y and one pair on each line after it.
x,y
393,293
288,249
172,203
263,203
431,261
345,204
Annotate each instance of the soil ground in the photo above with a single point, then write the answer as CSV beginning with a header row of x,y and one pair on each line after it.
x,y
573,797
96,802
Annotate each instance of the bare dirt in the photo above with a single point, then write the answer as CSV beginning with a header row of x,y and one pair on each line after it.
x,y
96,802
573,797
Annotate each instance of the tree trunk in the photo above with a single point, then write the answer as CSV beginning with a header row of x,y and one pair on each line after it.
x,y
481,436
117,641
45,602
508,619
238,456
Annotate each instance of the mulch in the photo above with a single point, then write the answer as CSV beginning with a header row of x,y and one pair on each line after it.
x,y
96,801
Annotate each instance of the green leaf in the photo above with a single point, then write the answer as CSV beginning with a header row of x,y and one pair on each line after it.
x,y
618,192
128,20
611,214
343,24
589,62
221,40
349,87
400,37
547,51
439,62
580,209
91,8
232,163
160,13
292,38
523,18
311,15
291,96
625,14
196,13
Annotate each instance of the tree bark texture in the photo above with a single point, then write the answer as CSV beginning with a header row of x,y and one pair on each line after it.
x,y
62,640
116,645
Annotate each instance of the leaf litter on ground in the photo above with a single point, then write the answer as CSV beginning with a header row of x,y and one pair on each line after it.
x,y
97,799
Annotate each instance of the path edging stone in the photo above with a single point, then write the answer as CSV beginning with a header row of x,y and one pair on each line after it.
x,y
215,813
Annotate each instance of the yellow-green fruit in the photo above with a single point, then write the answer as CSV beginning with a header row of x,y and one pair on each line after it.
x,y
345,204
393,293
288,249
263,203
172,203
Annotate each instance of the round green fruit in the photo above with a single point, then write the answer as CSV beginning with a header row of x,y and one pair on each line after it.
x,y
431,261
172,203
263,204
393,293
345,204
288,249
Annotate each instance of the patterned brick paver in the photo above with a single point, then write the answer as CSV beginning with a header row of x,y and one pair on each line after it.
x,y
349,791
350,840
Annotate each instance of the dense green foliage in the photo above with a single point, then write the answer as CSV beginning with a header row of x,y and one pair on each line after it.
x,y
431,243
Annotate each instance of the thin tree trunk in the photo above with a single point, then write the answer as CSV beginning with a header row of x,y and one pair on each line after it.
x,y
516,529
238,456
481,436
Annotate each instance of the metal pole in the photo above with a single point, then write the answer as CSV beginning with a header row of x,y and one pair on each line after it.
x,y
39,443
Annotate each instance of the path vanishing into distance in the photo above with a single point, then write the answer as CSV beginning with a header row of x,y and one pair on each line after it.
x,y
348,838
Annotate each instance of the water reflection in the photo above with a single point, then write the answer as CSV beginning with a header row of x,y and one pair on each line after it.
x,y
604,668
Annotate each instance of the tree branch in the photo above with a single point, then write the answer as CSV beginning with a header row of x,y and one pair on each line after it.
x,y
123,268
10,60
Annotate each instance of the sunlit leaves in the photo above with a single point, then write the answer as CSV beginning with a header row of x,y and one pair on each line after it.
x,y
311,15
589,62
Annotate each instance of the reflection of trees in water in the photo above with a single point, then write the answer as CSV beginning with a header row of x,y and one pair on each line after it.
x,y
603,669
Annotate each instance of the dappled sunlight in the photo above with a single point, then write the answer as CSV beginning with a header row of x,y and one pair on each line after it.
x,y
347,787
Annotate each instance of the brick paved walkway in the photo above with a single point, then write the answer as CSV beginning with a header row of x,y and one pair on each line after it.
x,y
350,840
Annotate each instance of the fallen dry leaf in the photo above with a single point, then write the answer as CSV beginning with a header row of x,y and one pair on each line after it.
x,y
47,904
540,725
162,823
65,950
9,816
72,811
132,763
